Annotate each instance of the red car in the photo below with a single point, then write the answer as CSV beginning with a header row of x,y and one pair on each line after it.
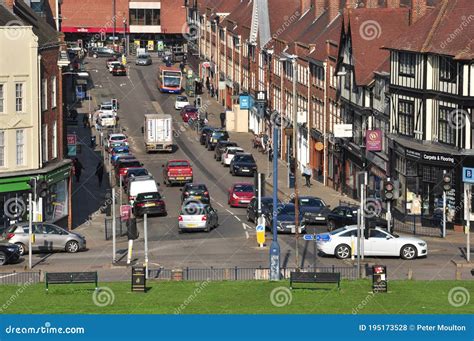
x,y
119,70
189,113
240,194
177,172
122,167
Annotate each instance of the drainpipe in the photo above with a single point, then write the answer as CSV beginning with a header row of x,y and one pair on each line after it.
x,y
40,114
325,173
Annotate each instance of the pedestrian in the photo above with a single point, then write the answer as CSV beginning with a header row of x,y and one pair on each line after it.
x,y
85,120
77,169
270,153
99,172
307,173
222,117
207,83
212,90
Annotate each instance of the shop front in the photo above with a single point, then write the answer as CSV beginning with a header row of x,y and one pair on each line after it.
x,y
316,157
353,164
303,146
377,167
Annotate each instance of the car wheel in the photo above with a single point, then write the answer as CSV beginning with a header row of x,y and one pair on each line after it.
x,y
331,225
342,251
22,248
208,228
180,231
408,252
95,55
3,258
72,246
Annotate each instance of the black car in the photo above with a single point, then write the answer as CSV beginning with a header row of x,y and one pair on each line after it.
x,y
243,164
204,133
9,253
267,208
220,148
149,203
216,136
119,70
285,219
314,209
347,215
196,192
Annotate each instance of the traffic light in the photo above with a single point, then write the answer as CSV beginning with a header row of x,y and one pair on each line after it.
x,y
388,189
446,182
42,189
198,102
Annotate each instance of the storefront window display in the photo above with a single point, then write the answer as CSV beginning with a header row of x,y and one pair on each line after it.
x,y
57,202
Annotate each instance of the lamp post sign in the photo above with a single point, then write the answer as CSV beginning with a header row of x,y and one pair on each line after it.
x,y
260,235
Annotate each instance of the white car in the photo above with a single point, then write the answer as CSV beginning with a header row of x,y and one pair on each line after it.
x,y
110,65
140,184
181,102
106,120
229,154
117,138
379,243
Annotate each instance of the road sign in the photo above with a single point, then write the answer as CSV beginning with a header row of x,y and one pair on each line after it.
x,y
71,139
260,235
309,237
468,175
125,212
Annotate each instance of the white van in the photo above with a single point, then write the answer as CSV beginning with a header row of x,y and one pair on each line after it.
x,y
140,184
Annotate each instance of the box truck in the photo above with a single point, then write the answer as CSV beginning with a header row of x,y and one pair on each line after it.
x,y
158,133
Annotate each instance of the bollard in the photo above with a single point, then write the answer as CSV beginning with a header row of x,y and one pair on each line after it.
x,y
458,275
410,274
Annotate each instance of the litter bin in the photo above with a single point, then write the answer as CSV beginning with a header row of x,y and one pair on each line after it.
x,y
291,180
379,278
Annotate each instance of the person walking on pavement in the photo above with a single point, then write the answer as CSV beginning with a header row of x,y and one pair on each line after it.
x,y
307,173
99,172
222,117
77,169
212,90
207,83
85,121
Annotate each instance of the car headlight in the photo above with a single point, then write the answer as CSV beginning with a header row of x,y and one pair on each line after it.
x,y
422,244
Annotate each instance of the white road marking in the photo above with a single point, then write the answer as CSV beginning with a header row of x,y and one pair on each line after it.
x,y
247,234
244,225
229,211
218,203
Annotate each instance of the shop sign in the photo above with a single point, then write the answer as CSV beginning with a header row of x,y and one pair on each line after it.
x,y
319,146
413,154
261,97
373,140
244,101
438,158
343,130
150,45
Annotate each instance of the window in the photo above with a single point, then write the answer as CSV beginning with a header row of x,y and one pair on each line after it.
x,y
447,70
446,129
20,146
53,92
19,97
406,114
347,80
407,64
2,98
44,94
54,139
378,88
145,17
44,142
2,148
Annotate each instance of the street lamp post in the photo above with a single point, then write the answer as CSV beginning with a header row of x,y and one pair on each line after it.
x,y
295,158
114,22
275,247
125,45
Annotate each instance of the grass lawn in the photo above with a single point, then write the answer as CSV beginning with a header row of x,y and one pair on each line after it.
x,y
246,297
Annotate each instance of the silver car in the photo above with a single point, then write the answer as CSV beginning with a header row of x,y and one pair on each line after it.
x,y
195,215
47,237
143,59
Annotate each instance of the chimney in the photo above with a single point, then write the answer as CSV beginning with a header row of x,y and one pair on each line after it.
x,y
393,3
334,8
9,4
418,9
320,7
372,4
305,5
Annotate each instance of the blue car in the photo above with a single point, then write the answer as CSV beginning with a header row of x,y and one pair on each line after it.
x,y
121,156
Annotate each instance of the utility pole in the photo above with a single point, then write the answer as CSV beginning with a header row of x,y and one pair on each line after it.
x,y
275,247
467,205
145,232
113,226
114,23
30,227
295,158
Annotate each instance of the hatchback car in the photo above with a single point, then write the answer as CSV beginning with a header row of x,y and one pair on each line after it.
x,y
189,113
149,203
181,102
117,138
102,52
121,156
379,243
220,148
314,209
204,132
48,237
240,194
9,253
243,164
196,216
122,167
111,64
285,220
267,208
195,192
132,173
229,154
216,136
119,70
143,59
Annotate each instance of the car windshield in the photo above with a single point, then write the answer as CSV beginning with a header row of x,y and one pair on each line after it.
x,y
143,56
194,208
196,188
243,188
126,164
286,210
137,172
149,196
178,164
337,231
245,158
182,99
118,138
106,107
313,202
218,134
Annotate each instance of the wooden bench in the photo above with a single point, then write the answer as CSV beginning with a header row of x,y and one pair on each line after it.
x,y
315,277
71,278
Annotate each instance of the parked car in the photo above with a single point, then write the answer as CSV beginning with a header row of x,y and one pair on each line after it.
x,y
117,138
243,164
111,64
9,253
267,208
122,167
189,113
143,59
110,60
229,154
102,52
314,209
149,203
48,237
286,219
347,215
181,102
132,173
120,157
119,70
379,243
197,216
195,192
204,132
216,136
240,194
140,184
177,172
220,148
118,148
106,120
